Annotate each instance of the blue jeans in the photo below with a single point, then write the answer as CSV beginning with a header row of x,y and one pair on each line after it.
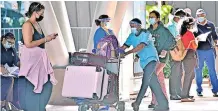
x,y
207,56
150,79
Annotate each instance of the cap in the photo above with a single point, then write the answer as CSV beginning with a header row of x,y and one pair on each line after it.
x,y
200,11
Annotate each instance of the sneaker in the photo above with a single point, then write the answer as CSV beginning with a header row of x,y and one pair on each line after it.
x,y
215,95
151,105
199,94
175,98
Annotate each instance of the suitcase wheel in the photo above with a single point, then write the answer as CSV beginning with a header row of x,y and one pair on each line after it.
x,y
121,106
83,107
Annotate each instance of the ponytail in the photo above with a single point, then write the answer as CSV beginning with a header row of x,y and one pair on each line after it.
x,y
97,22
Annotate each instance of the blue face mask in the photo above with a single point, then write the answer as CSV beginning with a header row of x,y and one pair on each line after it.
x,y
152,21
7,45
201,19
134,30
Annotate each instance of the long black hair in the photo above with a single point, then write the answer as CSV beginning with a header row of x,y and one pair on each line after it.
x,y
98,22
35,6
187,23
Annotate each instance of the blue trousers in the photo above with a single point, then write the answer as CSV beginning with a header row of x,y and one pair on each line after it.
x,y
150,79
207,56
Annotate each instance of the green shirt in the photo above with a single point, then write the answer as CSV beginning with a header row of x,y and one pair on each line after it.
x,y
164,40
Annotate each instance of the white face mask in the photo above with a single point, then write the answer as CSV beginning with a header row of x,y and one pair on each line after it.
x,y
7,45
134,30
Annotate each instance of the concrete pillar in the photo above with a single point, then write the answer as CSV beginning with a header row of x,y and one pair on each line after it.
x,y
64,24
119,16
56,49
126,69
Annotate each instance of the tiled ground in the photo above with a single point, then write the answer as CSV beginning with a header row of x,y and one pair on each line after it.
x,y
206,103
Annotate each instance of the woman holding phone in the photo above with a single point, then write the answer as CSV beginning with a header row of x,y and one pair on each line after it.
x,y
34,40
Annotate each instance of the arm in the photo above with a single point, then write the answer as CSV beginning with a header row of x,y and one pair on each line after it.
x,y
128,43
137,49
214,34
97,37
144,41
27,32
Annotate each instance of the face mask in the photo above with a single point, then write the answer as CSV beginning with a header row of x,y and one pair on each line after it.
x,y
106,23
152,21
175,23
134,30
7,45
40,18
201,19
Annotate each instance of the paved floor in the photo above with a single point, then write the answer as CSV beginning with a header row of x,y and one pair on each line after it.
x,y
206,103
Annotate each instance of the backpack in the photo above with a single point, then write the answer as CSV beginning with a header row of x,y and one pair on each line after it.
x,y
108,46
179,52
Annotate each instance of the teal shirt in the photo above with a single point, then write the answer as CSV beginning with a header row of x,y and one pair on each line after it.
x,y
172,26
164,40
148,53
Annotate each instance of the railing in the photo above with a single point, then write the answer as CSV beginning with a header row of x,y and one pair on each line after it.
x,y
16,31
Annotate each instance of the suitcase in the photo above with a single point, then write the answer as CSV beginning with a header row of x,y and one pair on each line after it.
x,y
87,59
85,82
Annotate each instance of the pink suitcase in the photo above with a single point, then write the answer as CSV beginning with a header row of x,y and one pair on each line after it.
x,y
85,82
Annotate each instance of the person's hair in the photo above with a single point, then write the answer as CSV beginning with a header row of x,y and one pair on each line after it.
x,y
188,15
163,3
136,20
98,22
156,13
35,6
7,35
186,25
180,13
